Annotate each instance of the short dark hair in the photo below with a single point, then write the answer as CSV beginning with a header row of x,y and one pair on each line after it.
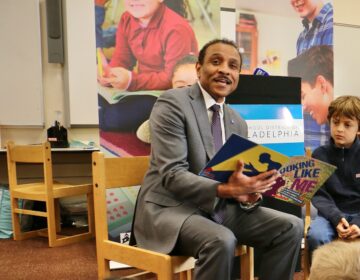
x,y
229,42
318,60
346,105
187,59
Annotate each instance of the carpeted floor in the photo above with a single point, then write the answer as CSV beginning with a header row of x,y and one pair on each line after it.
x,y
33,259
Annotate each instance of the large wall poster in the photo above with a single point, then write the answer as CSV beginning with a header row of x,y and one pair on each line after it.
x,y
282,40
139,44
143,48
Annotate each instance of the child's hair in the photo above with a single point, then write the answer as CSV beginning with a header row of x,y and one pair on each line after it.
x,y
337,260
318,60
346,105
178,6
187,59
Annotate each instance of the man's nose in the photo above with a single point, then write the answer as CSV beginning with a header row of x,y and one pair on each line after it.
x,y
223,68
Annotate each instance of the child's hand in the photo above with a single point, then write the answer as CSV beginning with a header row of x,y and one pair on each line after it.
x,y
354,232
119,78
103,68
343,229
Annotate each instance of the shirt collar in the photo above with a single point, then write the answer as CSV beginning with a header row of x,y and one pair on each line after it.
x,y
320,18
209,101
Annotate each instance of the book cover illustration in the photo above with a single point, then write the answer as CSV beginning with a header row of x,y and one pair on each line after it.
x,y
257,158
300,176
300,179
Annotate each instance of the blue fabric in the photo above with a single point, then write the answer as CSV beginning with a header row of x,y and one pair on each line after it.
x,y
321,231
320,33
99,19
315,135
340,194
5,213
127,114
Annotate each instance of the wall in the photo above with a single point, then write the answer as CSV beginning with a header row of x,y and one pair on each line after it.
x,y
53,80
54,99
346,47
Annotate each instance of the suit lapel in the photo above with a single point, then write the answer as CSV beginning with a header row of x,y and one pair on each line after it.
x,y
229,122
198,104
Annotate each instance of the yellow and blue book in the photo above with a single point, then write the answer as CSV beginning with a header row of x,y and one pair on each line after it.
x,y
300,176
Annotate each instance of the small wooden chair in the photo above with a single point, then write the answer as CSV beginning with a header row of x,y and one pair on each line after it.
x,y
47,191
129,171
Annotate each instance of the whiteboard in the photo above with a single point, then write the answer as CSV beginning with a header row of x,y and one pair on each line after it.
x,y
346,59
21,91
80,66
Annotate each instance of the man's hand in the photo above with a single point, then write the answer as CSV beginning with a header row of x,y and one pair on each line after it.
x,y
244,188
248,198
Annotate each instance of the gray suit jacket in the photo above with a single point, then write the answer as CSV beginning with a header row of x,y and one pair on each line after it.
x,y
182,144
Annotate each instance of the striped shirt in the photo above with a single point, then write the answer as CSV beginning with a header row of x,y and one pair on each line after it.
x,y
315,135
319,33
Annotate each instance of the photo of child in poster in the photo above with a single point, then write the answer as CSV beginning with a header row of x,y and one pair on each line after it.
x,y
303,25
138,45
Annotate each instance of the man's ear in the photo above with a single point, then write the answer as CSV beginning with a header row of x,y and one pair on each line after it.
x,y
321,83
325,86
197,67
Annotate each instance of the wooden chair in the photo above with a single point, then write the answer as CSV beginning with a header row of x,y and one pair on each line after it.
x,y
306,254
129,171
46,191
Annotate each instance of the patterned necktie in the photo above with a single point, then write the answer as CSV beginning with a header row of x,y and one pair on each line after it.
x,y
216,126
219,211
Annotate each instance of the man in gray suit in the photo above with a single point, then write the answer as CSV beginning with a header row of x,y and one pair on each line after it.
x,y
180,212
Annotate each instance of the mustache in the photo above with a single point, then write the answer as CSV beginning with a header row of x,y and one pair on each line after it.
x,y
223,78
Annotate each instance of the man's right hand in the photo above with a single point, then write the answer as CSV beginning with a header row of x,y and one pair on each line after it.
x,y
239,184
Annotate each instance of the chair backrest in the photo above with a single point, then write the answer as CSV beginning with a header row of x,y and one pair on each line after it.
x,y
113,173
38,154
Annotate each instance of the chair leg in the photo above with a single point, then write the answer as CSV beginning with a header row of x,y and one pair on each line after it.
x,y
90,215
51,222
103,267
57,215
165,274
15,219
183,275
247,265
189,274
306,259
